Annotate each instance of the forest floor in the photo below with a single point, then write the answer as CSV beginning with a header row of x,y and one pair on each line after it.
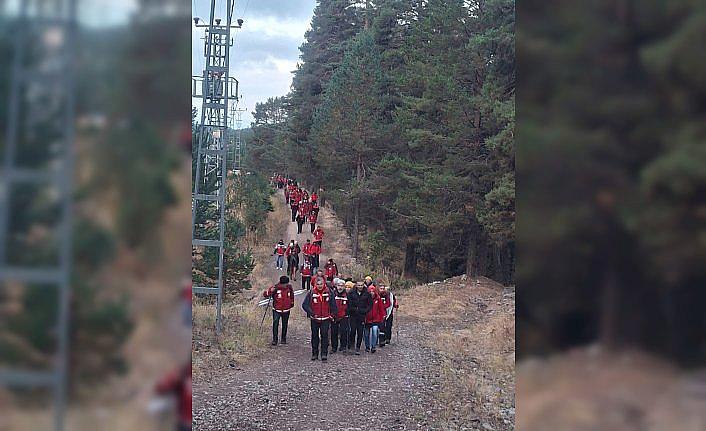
x,y
590,388
450,366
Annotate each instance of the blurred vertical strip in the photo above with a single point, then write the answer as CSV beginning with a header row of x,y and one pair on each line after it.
x,y
611,195
37,169
127,122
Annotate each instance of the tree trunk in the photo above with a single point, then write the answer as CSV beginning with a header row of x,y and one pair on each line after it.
x,y
609,309
410,258
356,212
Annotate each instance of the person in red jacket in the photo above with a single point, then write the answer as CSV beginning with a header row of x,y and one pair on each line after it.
x,y
315,254
282,299
313,217
320,307
314,196
318,235
307,252
306,271
340,325
373,320
331,270
280,250
178,384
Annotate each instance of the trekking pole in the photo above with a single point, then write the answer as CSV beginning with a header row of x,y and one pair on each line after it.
x,y
262,323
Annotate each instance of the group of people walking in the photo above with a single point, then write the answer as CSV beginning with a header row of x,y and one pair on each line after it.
x,y
343,314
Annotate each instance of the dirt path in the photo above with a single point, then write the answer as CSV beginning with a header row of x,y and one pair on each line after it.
x,y
389,390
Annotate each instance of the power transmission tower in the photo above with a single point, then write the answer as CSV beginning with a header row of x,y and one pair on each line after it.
x,y
38,163
236,143
215,88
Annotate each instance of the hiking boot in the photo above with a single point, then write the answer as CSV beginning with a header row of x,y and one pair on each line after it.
x,y
357,352
372,351
284,341
367,350
324,358
274,342
314,357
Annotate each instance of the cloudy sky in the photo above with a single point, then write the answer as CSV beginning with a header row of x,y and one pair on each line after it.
x,y
266,49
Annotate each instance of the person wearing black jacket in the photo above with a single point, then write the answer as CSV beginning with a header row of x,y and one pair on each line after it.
x,y
359,304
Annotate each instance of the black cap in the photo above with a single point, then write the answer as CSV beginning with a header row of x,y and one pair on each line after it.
x,y
284,279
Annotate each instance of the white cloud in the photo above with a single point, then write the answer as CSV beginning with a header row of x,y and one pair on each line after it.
x,y
264,55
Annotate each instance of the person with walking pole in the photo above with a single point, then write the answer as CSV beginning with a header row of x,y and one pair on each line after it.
x,y
282,299
320,307
359,303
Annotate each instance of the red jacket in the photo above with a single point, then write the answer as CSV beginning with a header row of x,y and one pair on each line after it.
x,y
377,313
320,304
302,210
307,249
318,234
291,250
312,219
282,297
315,249
314,197
306,269
178,382
330,271
342,303
280,249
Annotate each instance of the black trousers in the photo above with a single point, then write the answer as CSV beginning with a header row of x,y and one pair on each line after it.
x,y
294,213
319,335
300,224
315,263
275,324
387,328
313,227
306,282
356,332
339,333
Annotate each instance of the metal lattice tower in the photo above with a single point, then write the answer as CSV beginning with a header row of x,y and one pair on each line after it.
x,y
236,143
215,88
38,160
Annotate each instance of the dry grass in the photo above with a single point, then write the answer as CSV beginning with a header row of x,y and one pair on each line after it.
x,y
475,341
242,337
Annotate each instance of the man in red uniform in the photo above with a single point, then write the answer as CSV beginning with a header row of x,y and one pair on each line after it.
x,y
314,196
315,253
313,217
307,253
178,384
340,325
320,307
318,235
282,295
331,270
306,272
373,319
